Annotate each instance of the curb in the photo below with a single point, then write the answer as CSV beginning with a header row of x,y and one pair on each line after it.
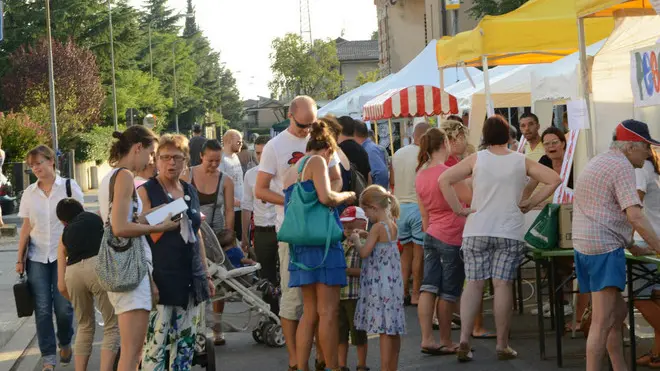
x,y
12,354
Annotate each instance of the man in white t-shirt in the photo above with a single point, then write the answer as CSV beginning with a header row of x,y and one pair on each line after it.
x,y
279,154
232,167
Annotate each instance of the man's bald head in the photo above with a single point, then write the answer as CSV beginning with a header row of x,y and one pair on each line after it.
x,y
303,107
232,140
420,129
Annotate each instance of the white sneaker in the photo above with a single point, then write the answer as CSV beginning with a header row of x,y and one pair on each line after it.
x,y
568,310
546,308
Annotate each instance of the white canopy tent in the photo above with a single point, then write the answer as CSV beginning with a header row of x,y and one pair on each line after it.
x,y
463,90
561,79
422,70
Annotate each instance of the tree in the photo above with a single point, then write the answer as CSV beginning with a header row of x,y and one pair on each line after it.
x,y
191,24
374,35
482,8
370,76
162,18
300,69
78,94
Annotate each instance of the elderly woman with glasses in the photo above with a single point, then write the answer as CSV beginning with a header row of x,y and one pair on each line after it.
x,y
180,270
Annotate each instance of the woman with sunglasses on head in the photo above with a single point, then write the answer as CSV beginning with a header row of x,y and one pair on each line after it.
x,y
39,238
180,271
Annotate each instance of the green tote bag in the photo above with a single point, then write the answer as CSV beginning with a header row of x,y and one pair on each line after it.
x,y
544,232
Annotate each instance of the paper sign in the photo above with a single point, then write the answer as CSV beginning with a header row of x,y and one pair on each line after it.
x,y
175,207
645,75
563,194
578,115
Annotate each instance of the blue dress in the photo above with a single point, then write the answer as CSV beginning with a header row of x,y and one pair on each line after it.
x,y
332,272
380,304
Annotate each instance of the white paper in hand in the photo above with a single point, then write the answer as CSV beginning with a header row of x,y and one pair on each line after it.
x,y
175,207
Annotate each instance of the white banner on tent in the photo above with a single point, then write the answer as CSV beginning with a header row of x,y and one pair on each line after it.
x,y
645,75
563,194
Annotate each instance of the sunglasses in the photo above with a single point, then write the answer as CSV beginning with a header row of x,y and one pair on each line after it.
x,y
301,126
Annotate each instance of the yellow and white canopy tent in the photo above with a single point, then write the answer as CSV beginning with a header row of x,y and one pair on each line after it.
x,y
540,31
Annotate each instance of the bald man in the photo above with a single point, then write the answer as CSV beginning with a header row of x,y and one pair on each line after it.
x,y
231,166
279,154
411,236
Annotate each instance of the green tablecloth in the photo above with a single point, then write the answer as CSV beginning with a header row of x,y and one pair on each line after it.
x,y
553,253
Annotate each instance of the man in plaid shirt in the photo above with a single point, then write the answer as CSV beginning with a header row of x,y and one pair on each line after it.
x,y
352,218
606,210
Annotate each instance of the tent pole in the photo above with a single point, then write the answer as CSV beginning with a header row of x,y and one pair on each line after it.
x,y
467,74
389,122
490,109
584,76
376,131
441,73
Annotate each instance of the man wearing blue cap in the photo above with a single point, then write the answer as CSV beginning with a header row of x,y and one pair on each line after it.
x,y
607,209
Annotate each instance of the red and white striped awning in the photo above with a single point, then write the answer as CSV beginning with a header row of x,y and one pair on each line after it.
x,y
413,101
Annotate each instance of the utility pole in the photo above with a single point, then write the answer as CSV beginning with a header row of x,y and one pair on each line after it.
x,y
176,111
112,62
51,80
443,17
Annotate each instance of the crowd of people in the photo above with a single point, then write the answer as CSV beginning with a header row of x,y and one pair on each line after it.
x,y
437,221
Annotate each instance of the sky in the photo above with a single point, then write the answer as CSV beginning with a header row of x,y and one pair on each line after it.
x,y
242,30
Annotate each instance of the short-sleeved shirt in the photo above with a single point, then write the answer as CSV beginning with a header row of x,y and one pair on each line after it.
x,y
196,144
235,255
263,212
536,153
444,224
357,156
648,181
82,237
452,160
352,289
40,210
279,154
231,166
604,190
546,161
378,162
404,164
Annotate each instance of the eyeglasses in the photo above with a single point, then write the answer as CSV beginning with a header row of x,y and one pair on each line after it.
x,y
552,143
36,164
167,158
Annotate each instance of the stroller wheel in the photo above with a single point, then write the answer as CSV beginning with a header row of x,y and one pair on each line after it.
x,y
258,335
274,336
210,355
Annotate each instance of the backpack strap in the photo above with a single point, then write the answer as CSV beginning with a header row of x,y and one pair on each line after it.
x,y
215,203
302,167
68,188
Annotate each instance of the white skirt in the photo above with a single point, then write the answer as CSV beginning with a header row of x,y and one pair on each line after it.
x,y
138,299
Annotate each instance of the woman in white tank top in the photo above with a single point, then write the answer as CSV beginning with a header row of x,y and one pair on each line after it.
x,y
493,241
131,152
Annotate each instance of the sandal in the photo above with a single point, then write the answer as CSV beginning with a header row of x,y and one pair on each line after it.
x,y
48,367
362,368
506,354
645,359
464,353
319,365
654,362
443,350
293,368
485,335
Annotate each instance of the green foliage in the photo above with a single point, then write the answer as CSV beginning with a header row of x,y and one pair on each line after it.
x,y
20,134
374,35
370,76
481,8
299,69
95,144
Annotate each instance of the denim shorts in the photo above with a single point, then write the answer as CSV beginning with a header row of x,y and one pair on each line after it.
x,y
597,272
410,224
444,273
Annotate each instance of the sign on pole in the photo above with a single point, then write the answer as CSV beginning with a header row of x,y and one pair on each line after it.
x,y
452,4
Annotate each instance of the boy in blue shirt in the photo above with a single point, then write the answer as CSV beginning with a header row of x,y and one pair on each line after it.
x,y
234,254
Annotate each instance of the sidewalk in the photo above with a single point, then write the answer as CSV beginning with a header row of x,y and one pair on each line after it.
x,y
17,334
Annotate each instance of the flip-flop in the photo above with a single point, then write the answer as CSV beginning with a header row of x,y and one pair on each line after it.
x,y
485,335
440,351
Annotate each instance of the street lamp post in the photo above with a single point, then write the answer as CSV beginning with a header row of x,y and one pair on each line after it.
x,y
51,79
176,112
112,62
151,57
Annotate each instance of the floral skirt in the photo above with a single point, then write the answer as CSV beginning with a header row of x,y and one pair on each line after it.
x,y
172,333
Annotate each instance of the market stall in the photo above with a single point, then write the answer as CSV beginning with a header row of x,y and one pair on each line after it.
x,y
413,101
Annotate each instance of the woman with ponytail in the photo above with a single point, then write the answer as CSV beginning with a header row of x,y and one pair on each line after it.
x,y
443,266
320,285
132,151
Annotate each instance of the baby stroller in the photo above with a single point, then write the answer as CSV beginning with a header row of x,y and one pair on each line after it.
x,y
241,285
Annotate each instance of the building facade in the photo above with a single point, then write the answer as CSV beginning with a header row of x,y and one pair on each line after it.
x,y
355,58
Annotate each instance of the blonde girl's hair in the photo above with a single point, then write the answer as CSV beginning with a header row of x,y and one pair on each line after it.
x,y
431,141
454,129
376,195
